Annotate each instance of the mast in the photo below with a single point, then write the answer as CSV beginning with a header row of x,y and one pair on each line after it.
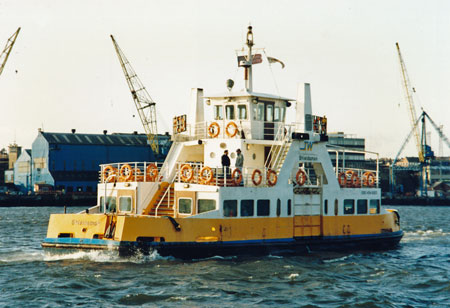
x,y
248,64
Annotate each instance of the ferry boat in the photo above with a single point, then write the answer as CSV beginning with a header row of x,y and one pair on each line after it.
x,y
287,197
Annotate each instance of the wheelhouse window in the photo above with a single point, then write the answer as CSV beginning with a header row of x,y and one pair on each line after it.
x,y
247,208
277,114
125,204
185,205
283,113
229,111
255,111
349,206
218,112
263,208
269,113
206,205
110,204
374,206
242,112
230,208
260,112
361,207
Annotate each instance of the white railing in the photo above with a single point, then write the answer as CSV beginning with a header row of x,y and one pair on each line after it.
x,y
198,173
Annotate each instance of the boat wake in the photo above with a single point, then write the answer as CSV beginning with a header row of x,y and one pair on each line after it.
x,y
423,235
104,256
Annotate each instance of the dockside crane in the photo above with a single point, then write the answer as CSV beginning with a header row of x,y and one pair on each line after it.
x,y
7,50
143,101
423,149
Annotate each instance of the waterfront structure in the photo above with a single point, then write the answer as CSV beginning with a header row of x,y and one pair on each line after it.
x,y
22,172
69,162
349,150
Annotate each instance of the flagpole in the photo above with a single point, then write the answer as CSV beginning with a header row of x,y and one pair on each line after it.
x,y
248,70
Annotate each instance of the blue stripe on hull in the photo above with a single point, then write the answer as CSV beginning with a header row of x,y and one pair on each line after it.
x,y
191,250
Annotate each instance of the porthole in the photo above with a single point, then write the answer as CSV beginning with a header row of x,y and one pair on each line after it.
x,y
212,154
254,156
233,155
223,145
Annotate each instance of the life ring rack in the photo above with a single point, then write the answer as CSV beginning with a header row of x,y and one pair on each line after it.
x,y
237,172
186,173
235,129
300,177
213,129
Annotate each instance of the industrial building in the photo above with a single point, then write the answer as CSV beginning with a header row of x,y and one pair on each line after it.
x,y
348,149
69,162
22,172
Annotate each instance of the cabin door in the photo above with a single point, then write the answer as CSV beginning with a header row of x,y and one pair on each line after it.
x,y
269,126
307,218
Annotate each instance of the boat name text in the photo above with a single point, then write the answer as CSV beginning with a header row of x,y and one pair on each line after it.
x,y
76,222
307,158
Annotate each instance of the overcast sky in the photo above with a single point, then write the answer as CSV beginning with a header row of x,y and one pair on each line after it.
x,y
63,72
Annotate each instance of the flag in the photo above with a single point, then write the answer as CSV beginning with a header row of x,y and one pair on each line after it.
x,y
273,60
257,58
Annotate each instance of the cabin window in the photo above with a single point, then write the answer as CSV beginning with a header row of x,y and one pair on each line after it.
x,y
269,113
278,207
185,205
277,114
229,111
110,204
206,205
230,208
325,207
349,206
218,112
374,206
289,207
336,207
242,112
361,207
247,208
125,204
260,112
263,208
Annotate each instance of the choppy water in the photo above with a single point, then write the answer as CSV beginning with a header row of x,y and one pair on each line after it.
x,y
414,275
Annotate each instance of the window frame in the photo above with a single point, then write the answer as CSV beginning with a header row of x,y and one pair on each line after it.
x,y
235,205
120,204
359,204
259,204
184,198
241,107
204,199
231,116
218,112
252,208
346,204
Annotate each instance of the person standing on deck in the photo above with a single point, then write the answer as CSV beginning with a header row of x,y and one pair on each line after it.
x,y
239,160
225,163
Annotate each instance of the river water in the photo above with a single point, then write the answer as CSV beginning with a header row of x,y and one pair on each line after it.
x,y
417,274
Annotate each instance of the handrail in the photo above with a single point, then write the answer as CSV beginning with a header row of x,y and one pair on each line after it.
x,y
162,198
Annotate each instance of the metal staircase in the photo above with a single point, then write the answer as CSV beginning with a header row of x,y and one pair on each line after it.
x,y
163,203
278,152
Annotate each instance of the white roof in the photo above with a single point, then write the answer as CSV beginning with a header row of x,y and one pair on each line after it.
x,y
248,94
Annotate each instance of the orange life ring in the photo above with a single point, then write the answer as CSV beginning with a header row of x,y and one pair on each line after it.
x,y
368,179
256,172
239,178
151,172
342,178
300,177
126,173
186,173
209,175
109,173
348,177
231,124
213,130
182,124
271,177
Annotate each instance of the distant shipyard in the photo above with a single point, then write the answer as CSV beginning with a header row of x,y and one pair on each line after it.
x,y
63,167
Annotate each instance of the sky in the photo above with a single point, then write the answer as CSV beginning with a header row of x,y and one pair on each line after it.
x,y
63,72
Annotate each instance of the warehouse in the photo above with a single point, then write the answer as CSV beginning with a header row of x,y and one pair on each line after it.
x,y
69,162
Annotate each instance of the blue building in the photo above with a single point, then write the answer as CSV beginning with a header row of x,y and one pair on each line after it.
x,y
70,162
22,172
